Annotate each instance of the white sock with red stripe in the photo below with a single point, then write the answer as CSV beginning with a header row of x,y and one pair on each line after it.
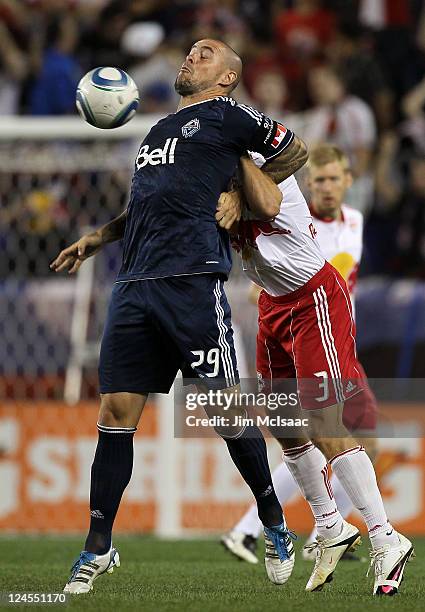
x,y
355,472
343,502
284,486
309,468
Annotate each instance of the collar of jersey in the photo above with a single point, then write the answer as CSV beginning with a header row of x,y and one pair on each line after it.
x,y
194,104
325,219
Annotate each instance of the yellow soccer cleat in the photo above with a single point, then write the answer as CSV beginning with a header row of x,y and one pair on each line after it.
x,y
328,553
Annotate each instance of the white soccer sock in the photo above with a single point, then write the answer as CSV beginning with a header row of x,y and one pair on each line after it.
x,y
249,524
355,472
343,502
309,468
284,486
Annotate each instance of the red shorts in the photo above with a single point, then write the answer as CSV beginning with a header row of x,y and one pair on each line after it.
x,y
361,410
309,335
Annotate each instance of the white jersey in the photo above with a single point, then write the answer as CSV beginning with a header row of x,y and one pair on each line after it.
x,y
341,242
281,255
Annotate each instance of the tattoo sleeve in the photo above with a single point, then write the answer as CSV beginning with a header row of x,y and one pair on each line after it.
x,y
289,161
114,230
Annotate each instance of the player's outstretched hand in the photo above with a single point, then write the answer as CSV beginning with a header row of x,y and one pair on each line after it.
x,y
229,209
73,256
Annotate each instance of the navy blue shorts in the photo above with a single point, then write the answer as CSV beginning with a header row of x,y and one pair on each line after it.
x,y
156,327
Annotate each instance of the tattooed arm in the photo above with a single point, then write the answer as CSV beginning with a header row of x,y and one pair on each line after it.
x,y
262,197
292,158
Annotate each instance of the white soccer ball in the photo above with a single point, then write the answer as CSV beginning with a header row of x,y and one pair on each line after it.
x,y
107,97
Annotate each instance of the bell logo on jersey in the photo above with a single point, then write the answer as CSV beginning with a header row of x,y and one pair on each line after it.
x,y
156,156
279,136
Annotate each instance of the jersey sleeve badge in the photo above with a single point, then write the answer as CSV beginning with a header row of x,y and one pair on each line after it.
x,y
279,135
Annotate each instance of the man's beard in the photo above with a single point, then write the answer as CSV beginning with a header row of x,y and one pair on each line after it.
x,y
186,88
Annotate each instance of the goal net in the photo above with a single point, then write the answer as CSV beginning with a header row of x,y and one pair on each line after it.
x,y
57,177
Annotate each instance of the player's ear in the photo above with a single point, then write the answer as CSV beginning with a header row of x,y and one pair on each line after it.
x,y
308,180
228,78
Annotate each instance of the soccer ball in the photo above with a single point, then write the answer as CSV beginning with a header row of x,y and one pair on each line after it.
x,y
107,97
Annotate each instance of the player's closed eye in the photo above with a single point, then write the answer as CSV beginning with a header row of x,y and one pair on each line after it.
x,y
334,179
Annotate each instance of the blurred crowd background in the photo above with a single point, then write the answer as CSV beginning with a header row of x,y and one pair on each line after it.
x,y
348,71
344,71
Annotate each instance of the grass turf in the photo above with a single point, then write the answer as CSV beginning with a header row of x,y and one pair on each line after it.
x,y
196,576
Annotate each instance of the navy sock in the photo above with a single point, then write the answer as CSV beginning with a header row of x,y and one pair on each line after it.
x,y
110,474
249,454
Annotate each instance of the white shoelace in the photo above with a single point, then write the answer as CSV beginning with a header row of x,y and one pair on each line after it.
x,y
376,559
319,547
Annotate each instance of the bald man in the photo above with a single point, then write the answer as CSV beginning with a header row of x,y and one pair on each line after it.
x,y
168,309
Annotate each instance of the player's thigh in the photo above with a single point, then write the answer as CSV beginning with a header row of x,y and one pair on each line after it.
x,y
327,430
277,379
135,357
361,410
274,362
194,312
324,348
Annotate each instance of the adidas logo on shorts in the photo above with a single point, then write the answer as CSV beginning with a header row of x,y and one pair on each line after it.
x,y
349,387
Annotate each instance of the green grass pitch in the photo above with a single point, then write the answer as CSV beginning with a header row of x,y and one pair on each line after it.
x,y
196,576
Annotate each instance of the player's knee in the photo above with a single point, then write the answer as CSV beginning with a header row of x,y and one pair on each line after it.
x,y
331,447
230,433
112,410
231,424
118,410
289,443
370,445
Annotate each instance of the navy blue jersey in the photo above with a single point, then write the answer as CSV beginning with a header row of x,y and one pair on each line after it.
x,y
182,166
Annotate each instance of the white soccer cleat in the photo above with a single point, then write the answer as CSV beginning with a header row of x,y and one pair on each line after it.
x,y
279,559
389,563
328,553
309,552
87,568
241,545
